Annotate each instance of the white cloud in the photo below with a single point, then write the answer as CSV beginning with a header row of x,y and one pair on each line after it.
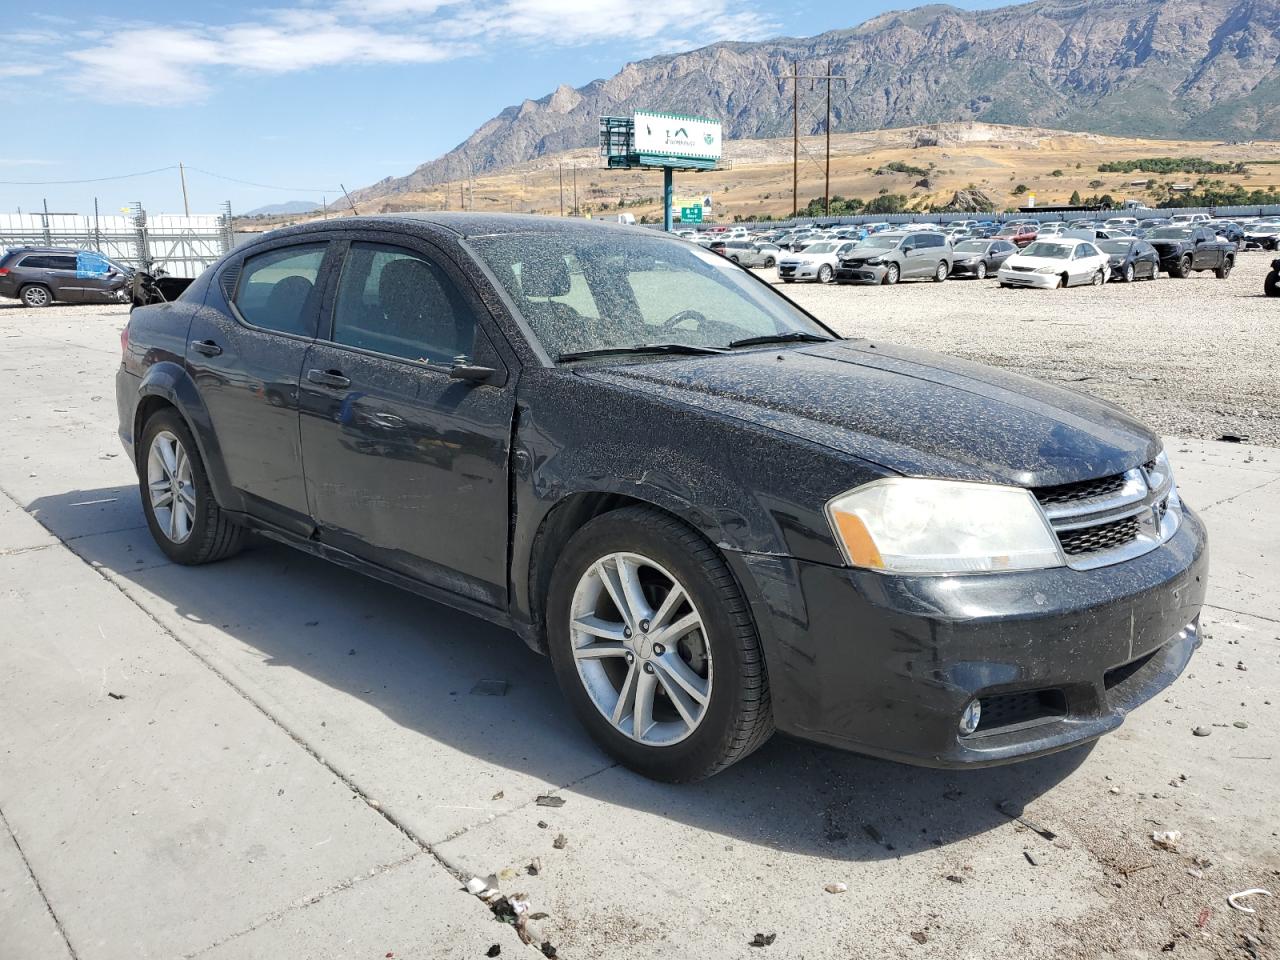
x,y
185,62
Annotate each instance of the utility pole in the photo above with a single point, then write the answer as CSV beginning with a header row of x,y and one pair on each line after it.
x,y
562,189
575,190
182,175
795,78
97,235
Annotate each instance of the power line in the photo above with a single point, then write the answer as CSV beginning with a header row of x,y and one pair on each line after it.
x,y
57,183
264,186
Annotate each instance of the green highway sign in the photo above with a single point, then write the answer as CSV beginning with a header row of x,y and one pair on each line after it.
x,y
691,214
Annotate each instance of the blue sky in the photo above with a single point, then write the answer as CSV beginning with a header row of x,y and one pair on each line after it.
x,y
301,96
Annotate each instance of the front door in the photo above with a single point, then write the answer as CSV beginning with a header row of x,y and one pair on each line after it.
x,y
407,466
245,358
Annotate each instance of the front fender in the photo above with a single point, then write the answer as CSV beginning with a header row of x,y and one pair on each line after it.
x,y
169,381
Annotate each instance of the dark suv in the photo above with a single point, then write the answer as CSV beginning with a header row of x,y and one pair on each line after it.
x,y
39,276
717,516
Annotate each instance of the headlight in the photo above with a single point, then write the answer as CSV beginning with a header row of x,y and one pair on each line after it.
x,y
915,526
1047,269
874,261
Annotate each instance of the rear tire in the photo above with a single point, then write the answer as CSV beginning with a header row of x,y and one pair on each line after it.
x,y
1098,279
1128,273
36,295
202,532
770,263
1224,271
733,720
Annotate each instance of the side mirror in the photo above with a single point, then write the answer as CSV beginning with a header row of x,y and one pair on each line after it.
x,y
462,370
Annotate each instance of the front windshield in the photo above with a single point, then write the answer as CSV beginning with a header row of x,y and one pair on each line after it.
x,y
971,246
597,289
1116,246
823,247
1047,250
1171,233
878,242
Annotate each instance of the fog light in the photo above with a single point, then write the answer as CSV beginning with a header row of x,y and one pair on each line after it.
x,y
970,718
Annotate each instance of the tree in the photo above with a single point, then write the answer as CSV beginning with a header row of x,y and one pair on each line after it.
x,y
1056,173
887,203
1075,198
1020,189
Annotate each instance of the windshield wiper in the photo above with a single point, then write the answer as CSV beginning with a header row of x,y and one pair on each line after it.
x,y
638,348
796,336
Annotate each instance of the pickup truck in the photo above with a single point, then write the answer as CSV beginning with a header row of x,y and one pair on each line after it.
x,y
1185,248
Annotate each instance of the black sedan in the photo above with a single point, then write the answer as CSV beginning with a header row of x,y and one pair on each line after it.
x,y
980,258
1131,259
717,516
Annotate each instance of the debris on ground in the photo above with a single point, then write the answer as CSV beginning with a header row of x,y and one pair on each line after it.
x,y
1167,839
919,936
513,909
1241,724
494,950
1030,859
549,800
955,878
560,842
535,867
763,940
1253,892
542,824
836,887
115,696
490,688
497,796
1201,732
547,949
1015,812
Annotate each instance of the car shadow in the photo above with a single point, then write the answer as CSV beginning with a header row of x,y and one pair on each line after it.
x,y
417,661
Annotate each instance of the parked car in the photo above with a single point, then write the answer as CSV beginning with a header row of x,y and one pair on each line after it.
x,y
1129,259
1189,218
815,262
753,254
890,257
716,516
1228,230
40,276
1184,249
978,258
1060,262
1262,235
1019,235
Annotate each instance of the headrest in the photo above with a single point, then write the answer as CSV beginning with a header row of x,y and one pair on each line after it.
x,y
545,277
402,282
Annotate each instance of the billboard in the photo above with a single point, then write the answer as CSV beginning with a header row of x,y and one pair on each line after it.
x,y
674,135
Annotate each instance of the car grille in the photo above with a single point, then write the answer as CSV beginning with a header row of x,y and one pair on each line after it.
x,y
1021,269
1109,519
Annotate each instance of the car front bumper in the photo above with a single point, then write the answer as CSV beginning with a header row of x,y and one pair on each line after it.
x,y
862,274
1019,278
963,269
797,271
885,665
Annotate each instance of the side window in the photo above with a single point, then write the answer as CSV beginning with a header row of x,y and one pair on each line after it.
x,y
937,240
276,290
1085,250
394,302
49,261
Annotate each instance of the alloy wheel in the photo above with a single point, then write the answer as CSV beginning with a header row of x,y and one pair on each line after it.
x,y
640,649
35,296
981,272
171,487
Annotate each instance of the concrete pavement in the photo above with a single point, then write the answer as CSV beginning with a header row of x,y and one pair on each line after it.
x,y
297,765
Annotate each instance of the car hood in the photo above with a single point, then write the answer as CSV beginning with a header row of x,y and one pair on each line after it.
x,y
1022,260
910,411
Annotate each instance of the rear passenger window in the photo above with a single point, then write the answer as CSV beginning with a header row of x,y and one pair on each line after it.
x,y
396,303
49,262
277,289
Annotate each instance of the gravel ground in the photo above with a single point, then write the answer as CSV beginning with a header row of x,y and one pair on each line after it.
x,y
1194,358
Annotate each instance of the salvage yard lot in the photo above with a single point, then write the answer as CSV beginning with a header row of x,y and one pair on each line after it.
x,y
1195,357
274,757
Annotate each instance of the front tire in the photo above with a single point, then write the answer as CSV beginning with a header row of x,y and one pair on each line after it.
x,y
185,519
1184,268
36,295
981,272
1224,271
892,274
825,274
770,263
655,647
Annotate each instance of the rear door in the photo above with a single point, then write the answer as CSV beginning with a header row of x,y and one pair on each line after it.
x,y
245,352
56,271
407,466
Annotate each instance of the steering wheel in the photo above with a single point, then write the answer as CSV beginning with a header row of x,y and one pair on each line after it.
x,y
681,317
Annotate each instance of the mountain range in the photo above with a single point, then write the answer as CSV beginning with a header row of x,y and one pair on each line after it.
x,y
1190,69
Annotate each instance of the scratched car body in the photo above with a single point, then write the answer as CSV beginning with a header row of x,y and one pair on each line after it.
x,y
718,517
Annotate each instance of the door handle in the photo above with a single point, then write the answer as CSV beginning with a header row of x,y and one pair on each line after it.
x,y
328,378
388,421
206,347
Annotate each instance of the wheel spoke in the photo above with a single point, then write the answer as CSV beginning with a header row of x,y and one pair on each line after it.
x,y
669,635
613,585
673,599
679,699
175,530
637,605
161,498
188,499
181,467
681,673
168,457
642,714
604,629
626,695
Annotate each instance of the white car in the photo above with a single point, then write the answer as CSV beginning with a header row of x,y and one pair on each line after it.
x,y
1182,219
815,262
1056,262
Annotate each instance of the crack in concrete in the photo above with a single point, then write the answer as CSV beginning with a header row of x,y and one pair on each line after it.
x,y
305,902
1237,496
57,921
1243,613
18,551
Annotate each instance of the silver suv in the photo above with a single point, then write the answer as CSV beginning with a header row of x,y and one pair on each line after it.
x,y
892,256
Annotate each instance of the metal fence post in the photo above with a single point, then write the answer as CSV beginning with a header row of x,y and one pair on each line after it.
x,y
228,230
140,236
